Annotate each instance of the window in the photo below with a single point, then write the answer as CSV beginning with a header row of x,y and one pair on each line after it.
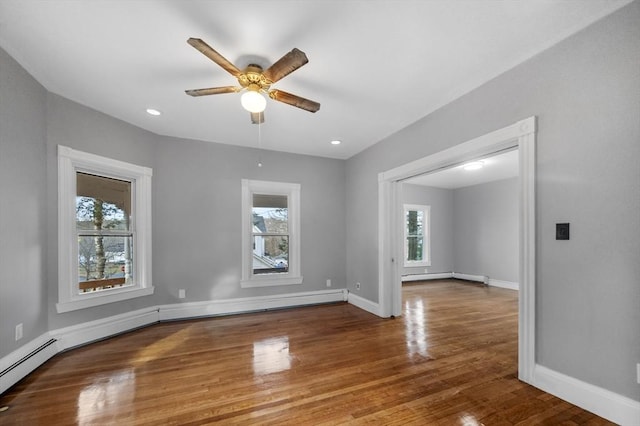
x,y
416,235
270,233
104,230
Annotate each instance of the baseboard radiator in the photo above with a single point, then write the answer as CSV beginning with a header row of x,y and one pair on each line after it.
x,y
444,275
25,365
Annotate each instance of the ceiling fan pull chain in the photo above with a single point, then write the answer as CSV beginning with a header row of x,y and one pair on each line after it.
x,y
259,144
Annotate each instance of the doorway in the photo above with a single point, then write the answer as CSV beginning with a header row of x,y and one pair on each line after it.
x,y
520,135
462,222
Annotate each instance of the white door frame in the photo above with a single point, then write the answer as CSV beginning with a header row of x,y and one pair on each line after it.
x,y
522,135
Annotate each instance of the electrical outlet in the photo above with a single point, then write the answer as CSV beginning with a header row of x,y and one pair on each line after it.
x,y
328,283
182,293
18,332
357,286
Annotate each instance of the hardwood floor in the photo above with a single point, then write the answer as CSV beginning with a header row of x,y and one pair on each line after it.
x,y
450,360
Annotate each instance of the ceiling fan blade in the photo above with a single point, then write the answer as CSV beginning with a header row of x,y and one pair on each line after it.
x,y
213,91
210,53
257,117
286,65
294,100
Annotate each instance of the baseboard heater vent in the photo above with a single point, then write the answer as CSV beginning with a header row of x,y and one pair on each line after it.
x,y
19,369
468,277
444,275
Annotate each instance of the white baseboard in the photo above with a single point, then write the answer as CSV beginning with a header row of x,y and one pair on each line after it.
x,y
28,357
248,304
607,404
444,275
81,334
612,406
504,284
425,277
32,354
468,277
364,304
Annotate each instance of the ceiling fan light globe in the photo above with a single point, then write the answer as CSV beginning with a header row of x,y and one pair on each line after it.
x,y
253,101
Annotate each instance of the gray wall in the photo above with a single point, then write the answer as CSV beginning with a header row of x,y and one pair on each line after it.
x,y
585,92
485,231
196,209
474,230
197,218
441,202
23,235
79,127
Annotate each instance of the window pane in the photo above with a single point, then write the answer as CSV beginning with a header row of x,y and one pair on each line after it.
x,y
102,203
104,262
270,254
415,222
414,248
270,214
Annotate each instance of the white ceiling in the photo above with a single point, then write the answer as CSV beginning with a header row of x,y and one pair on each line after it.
x,y
375,66
496,167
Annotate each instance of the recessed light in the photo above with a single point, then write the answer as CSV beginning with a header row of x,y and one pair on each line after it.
x,y
152,111
474,165
336,142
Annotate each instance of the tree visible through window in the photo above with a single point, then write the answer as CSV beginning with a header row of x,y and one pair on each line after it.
x,y
416,233
104,230
105,239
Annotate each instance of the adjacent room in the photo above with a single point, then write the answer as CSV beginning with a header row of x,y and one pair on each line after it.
x,y
205,204
463,221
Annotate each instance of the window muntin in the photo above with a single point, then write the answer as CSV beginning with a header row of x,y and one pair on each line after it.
x,y
270,233
416,235
104,230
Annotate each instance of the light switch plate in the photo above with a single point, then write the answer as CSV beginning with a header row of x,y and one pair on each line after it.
x,y
562,231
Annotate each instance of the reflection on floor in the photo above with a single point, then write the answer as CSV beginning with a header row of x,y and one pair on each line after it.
x,y
451,359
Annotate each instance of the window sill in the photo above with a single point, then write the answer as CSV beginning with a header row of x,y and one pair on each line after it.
x,y
416,264
270,281
101,298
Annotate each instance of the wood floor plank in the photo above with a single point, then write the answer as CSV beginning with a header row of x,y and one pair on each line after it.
x,y
450,359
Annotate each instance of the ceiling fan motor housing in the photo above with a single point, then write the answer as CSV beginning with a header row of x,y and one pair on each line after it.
x,y
253,79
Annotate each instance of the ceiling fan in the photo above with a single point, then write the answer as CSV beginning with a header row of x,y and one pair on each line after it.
x,y
254,81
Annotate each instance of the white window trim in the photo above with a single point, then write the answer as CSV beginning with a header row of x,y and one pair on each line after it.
x,y
426,236
292,191
71,161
